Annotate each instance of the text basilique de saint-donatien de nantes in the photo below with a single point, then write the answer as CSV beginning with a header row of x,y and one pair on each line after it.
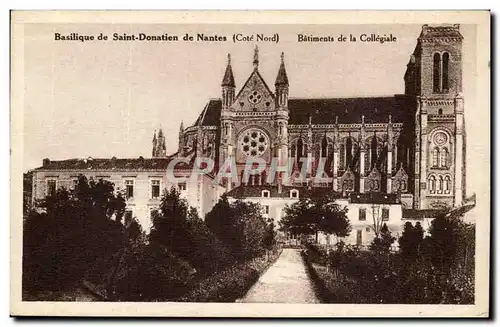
x,y
238,37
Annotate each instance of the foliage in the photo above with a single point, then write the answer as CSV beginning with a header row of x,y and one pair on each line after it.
x,y
178,227
383,241
241,227
149,272
436,270
71,230
410,240
232,283
316,213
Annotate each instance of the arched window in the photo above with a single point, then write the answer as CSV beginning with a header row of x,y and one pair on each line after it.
x,y
446,59
440,111
293,150
440,186
435,157
447,184
348,154
436,73
300,148
324,148
432,184
443,159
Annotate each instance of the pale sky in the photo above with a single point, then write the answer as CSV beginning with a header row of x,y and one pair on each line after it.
x,y
105,99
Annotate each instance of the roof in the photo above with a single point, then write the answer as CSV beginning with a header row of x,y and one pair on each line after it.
x,y
282,78
228,79
440,31
375,198
112,164
325,110
421,213
348,110
211,114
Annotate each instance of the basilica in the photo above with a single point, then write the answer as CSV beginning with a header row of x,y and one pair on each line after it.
x,y
412,144
402,155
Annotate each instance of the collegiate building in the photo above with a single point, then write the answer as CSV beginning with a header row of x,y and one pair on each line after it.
x,y
405,152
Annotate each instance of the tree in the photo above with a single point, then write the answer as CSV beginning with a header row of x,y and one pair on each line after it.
x,y
69,232
169,224
178,227
270,237
316,213
240,226
410,241
382,243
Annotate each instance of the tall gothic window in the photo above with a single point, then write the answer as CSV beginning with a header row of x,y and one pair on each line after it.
x,y
446,59
324,148
436,73
293,151
300,148
348,154
443,159
435,157
373,151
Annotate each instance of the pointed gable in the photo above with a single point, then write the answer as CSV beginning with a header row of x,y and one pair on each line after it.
x,y
373,181
400,180
255,95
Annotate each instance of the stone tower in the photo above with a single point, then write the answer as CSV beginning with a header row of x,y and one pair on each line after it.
x,y
434,84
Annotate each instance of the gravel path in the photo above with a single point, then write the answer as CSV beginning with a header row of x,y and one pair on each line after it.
x,y
286,281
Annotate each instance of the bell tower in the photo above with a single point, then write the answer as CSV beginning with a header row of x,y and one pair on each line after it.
x,y
434,81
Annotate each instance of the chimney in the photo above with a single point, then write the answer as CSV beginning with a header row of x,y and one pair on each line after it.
x,y
46,162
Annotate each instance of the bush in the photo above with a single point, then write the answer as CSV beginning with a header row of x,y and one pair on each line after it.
x,y
440,270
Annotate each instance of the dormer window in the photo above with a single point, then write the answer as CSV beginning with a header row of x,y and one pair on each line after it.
x,y
266,194
294,194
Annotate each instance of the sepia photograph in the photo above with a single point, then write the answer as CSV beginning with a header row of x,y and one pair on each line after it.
x,y
311,164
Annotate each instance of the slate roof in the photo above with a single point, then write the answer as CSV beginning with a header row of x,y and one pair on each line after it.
x,y
211,113
325,110
131,164
440,31
348,110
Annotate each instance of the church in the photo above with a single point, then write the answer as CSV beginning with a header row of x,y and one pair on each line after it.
x,y
412,144
403,152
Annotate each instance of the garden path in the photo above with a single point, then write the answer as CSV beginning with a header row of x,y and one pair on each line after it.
x,y
286,281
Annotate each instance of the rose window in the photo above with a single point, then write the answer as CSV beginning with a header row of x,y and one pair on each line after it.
x,y
255,97
440,138
254,143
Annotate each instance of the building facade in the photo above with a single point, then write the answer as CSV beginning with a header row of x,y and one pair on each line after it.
x,y
409,148
411,144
